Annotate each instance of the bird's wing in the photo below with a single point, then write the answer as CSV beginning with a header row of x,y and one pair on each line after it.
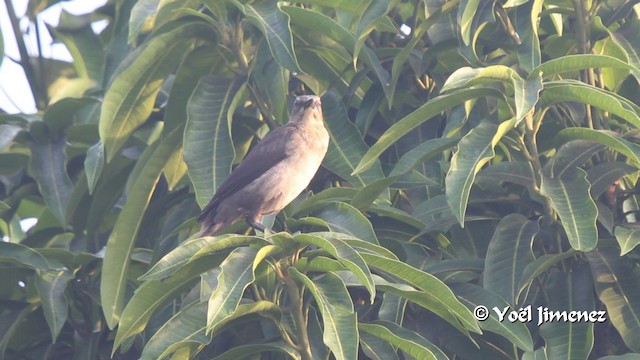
x,y
272,149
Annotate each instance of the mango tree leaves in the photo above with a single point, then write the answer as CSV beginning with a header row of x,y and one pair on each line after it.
x,y
617,287
131,96
121,240
570,197
208,150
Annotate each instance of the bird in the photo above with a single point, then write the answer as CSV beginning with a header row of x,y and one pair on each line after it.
x,y
273,173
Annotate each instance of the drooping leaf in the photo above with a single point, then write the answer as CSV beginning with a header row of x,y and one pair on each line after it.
x,y
244,351
606,100
131,96
319,23
617,286
347,146
344,218
340,330
570,197
274,25
235,275
628,237
437,293
427,111
51,286
346,255
626,37
569,339
474,150
525,90
538,266
153,294
474,295
608,138
93,165
208,150
509,252
577,62
195,65
48,165
408,341
125,231
526,25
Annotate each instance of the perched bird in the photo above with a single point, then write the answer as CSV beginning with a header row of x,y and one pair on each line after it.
x,y
274,172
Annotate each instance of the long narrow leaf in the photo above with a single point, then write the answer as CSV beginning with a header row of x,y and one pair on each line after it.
x,y
123,236
339,319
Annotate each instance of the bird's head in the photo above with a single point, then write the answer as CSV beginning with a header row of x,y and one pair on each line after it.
x,y
307,108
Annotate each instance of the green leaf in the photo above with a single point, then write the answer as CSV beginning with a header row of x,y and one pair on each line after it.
x,y
473,16
340,331
197,63
376,348
617,287
208,150
525,91
626,36
539,354
244,351
509,252
48,165
93,165
538,266
405,164
427,111
474,150
569,291
272,83
347,145
186,327
571,63
517,172
372,14
408,341
608,138
344,218
152,295
345,254
571,155
566,90
474,295
318,23
175,169
51,286
602,176
120,243
195,248
131,96
435,291
570,197
274,25
84,45
526,24
628,237
235,276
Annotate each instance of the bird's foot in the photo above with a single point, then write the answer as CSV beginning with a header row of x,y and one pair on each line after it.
x,y
256,225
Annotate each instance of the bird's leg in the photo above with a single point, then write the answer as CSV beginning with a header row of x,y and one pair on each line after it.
x,y
254,222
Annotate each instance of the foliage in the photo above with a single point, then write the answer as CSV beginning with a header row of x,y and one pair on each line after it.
x,y
488,157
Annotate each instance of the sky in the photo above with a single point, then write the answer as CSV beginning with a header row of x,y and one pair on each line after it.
x,y
15,95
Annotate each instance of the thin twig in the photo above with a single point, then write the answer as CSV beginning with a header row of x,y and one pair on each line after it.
x,y
24,55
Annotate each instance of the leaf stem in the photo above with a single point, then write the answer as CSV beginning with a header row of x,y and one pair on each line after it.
x,y
295,294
